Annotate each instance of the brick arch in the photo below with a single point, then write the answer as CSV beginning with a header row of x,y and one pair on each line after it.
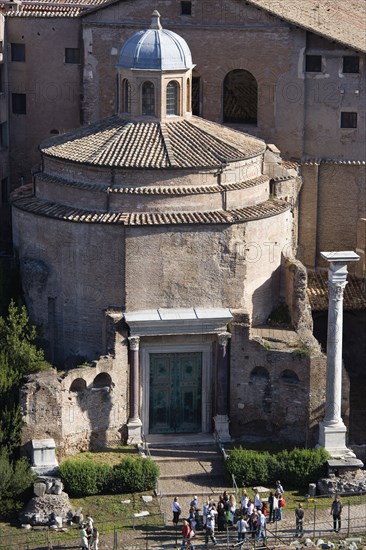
x,y
78,385
259,373
101,380
240,97
289,376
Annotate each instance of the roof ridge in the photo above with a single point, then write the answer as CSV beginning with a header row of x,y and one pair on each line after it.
x,y
167,144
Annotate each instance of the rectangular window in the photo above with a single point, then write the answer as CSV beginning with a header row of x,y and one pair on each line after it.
x,y
186,8
17,52
72,55
3,135
19,104
348,120
313,64
351,64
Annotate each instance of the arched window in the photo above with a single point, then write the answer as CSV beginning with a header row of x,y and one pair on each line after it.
x,y
240,97
259,373
101,380
148,99
78,385
172,91
289,376
126,96
196,95
189,99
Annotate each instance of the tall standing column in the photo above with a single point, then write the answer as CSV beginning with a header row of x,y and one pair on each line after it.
x,y
222,417
134,423
332,431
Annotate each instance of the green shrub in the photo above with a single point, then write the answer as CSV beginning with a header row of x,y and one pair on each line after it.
x,y
134,475
16,480
302,466
82,478
248,467
296,468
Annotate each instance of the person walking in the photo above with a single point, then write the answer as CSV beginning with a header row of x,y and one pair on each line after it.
x,y
336,512
186,531
299,515
257,500
241,527
84,543
95,539
270,503
210,529
261,527
279,489
176,511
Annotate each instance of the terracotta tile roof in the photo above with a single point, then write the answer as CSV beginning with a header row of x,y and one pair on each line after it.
x,y
53,210
47,8
354,294
154,190
342,21
192,143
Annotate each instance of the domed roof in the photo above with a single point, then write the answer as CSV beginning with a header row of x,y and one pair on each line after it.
x,y
155,49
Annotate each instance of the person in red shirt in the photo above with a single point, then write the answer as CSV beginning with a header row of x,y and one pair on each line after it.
x,y
186,531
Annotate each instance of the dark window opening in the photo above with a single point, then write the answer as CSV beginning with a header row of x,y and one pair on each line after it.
x,y
3,135
172,90
240,97
54,132
348,120
102,380
19,104
4,191
78,385
351,64
148,99
126,96
18,52
186,8
72,55
313,64
290,377
196,95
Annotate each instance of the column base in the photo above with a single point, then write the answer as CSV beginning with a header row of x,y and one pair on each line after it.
x,y
222,427
333,438
134,430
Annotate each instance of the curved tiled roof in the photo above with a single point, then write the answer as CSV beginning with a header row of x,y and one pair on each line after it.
x,y
68,213
189,143
354,292
156,189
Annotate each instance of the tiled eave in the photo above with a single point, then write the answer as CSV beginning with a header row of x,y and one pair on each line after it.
x,y
354,294
183,143
156,190
48,209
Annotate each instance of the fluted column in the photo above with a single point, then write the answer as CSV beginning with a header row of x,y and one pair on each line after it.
x,y
222,416
134,424
332,431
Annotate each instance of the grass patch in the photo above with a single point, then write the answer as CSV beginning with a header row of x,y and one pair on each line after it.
x,y
110,456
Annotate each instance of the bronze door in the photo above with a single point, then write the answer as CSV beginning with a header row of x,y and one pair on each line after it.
x,y
175,392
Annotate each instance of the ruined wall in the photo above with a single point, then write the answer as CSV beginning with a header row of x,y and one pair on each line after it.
x,y
84,408
277,391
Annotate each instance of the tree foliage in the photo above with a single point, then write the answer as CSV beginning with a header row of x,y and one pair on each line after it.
x,y
16,480
19,357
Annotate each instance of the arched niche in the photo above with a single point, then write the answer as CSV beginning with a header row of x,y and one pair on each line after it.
x,y
240,97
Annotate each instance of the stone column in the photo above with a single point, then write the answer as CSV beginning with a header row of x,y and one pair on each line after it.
x,y
222,417
134,423
332,431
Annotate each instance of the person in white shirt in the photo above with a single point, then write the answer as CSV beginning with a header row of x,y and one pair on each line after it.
x,y
176,510
261,526
257,500
250,508
241,527
244,503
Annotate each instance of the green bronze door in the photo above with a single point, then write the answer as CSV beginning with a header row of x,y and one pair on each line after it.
x,y
175,392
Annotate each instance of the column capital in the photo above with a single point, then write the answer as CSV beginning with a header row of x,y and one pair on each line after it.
x,y
336,289
134,342
223,338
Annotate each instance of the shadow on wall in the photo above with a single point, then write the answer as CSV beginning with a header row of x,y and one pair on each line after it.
x,y
265,297
96,402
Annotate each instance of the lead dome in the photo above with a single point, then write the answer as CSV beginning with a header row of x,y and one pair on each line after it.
x,y
155,49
